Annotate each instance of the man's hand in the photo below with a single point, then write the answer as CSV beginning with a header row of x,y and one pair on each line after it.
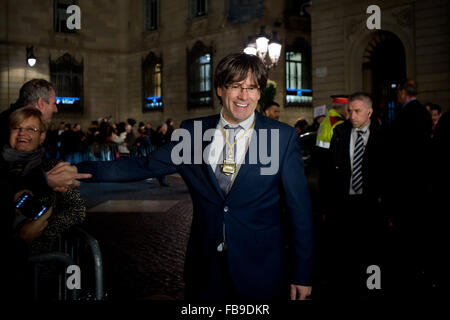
x,y
64,176
300,292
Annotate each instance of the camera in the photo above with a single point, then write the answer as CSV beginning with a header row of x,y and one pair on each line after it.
x,y
30,207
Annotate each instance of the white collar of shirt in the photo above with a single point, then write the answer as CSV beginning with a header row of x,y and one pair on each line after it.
x,y
244,124
364,129
218,141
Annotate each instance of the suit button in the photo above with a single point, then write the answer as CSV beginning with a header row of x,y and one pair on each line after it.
x,y
225,209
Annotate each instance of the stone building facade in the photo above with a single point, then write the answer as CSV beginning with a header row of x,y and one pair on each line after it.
x,y
413,42
341,55
113,42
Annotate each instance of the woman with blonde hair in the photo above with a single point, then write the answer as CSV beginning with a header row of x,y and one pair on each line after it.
x,y
24,163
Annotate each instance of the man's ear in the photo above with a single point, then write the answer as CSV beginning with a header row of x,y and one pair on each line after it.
x,y
40,104
219,91
370,112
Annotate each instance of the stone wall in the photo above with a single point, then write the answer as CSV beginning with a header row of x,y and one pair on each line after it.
x,y
340,36
112,43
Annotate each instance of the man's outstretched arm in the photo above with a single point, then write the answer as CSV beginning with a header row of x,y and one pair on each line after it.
x,y
159,163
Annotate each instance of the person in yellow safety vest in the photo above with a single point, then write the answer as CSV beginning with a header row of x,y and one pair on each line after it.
x,y
336,115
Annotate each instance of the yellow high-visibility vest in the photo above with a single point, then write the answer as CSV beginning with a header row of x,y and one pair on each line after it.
x,y
325,132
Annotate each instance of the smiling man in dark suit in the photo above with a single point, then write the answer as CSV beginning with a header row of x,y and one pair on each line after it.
x,y
236,247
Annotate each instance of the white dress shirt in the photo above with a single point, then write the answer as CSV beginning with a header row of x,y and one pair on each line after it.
x,y
216,147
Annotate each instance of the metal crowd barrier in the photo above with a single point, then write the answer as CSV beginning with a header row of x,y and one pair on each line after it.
x,y
107,152
75,247
141,151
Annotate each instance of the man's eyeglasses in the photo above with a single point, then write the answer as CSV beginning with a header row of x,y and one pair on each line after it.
x,y
237,88
28,130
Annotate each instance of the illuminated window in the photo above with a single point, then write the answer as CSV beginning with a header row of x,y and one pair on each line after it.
x,y
298,76
66,75
200,76
152,83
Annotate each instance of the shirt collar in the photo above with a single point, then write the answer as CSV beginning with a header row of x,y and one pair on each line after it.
x,y
364,129
244,124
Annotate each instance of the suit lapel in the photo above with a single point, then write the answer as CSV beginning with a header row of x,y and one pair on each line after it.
x,y
348,140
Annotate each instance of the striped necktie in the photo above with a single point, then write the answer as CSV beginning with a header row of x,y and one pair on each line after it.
x,y
223,179
358,153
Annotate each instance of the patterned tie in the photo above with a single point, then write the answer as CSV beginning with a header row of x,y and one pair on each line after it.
x,y
224,180
357,162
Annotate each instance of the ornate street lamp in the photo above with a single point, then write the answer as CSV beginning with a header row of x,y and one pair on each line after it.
x,y
263,45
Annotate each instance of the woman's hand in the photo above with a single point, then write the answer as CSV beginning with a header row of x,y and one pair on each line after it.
x,y
32,229
18,195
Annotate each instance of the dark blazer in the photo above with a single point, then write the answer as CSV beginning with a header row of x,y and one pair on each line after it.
x,y
372,165
410,137
409,150
4,126
250,212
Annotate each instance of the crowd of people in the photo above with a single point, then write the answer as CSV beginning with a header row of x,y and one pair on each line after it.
x,y
112,140
381,189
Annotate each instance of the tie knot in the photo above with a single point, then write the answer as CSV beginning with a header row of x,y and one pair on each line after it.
x,y
235,129
361,132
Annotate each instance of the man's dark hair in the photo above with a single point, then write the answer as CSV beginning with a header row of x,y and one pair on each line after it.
x,y
301,124
361,96
410,87
272,103
31,91
131,122
235,67
435,107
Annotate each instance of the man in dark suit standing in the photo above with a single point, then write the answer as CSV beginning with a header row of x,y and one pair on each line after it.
x,y
409,179
356,224
236,247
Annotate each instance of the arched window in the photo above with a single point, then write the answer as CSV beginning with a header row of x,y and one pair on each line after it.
x,y
199,76
298,74
66,74
152,83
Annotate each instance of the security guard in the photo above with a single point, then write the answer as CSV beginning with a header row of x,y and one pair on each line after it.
x,y
336,115
322,155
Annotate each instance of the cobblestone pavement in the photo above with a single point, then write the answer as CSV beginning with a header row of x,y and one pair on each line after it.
x,y
143,252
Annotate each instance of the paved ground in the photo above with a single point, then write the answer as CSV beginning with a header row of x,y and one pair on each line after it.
x,y
142,230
